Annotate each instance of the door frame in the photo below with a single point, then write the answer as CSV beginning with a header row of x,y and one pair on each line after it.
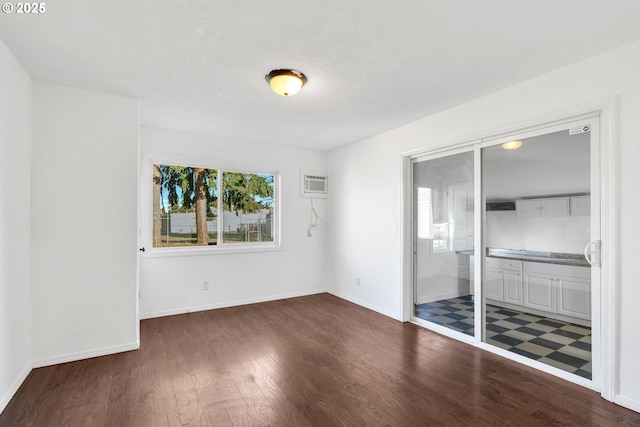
x,y
606,110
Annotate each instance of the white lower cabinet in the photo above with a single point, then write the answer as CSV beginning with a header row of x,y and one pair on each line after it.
x,y
512,286
540,291
560,289
574,297
493,287
540,287
503,280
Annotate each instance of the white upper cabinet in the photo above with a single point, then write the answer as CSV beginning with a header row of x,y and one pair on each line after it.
x,y
556,206
528,207
580,205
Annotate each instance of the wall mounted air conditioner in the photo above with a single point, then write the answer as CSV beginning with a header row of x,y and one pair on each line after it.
x,y
313,184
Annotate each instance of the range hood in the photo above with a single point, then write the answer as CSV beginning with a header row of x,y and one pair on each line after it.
x,y
501,206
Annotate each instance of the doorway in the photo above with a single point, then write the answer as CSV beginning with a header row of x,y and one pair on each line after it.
x,y
499,236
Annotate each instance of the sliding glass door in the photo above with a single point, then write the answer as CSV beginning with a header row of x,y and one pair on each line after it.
x,y
524,288
443,241
537,222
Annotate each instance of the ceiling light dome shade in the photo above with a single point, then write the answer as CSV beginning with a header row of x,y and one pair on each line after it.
x,y
286,82
512,145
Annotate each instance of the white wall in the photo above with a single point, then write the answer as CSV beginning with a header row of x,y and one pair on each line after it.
x,y
15,225
84,210
365,218
173,284
564,234
369,174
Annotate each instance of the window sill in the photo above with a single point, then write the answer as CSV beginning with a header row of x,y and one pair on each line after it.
x,y
211,250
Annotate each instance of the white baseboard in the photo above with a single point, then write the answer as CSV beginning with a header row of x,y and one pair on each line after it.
x,y
14,388
72,357
229,304
364,304
628,403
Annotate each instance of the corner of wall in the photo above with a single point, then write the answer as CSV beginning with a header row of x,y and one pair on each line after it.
x,y
15,224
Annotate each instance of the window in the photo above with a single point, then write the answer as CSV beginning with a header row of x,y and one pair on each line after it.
x,y
438,233
198,206
425,213
441,237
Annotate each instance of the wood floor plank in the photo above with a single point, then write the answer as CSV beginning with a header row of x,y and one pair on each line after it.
x,y
85,394
240,413
30,409
211,401
189,407
309,361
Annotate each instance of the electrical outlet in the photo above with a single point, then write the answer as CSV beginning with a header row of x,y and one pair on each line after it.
x,y
205,285
357,281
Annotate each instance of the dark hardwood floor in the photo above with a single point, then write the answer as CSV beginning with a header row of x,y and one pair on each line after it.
x,y
310,361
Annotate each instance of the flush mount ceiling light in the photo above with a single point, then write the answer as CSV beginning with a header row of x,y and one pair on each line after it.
x,y
512,145
286,82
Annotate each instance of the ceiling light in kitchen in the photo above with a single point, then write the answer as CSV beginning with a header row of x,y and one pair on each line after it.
x,y
512,145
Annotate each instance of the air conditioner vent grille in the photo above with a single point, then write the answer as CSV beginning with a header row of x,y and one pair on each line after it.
x,y
313,184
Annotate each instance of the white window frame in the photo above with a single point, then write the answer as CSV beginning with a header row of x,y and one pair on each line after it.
x,y
146,193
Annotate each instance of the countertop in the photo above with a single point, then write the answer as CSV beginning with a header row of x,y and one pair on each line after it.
x,y
577,260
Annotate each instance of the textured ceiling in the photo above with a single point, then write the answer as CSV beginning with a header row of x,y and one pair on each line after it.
x,y
372,65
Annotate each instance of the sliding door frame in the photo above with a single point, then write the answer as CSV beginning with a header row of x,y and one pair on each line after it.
x,y
606,111
594,184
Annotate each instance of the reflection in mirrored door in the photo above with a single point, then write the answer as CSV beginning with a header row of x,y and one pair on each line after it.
x,y
443,240
536,281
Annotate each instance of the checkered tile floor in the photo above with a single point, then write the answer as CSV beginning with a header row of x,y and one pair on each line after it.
x,y
561,344
454,313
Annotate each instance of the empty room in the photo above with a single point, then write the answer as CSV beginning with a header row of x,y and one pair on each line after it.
x,y
325,214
